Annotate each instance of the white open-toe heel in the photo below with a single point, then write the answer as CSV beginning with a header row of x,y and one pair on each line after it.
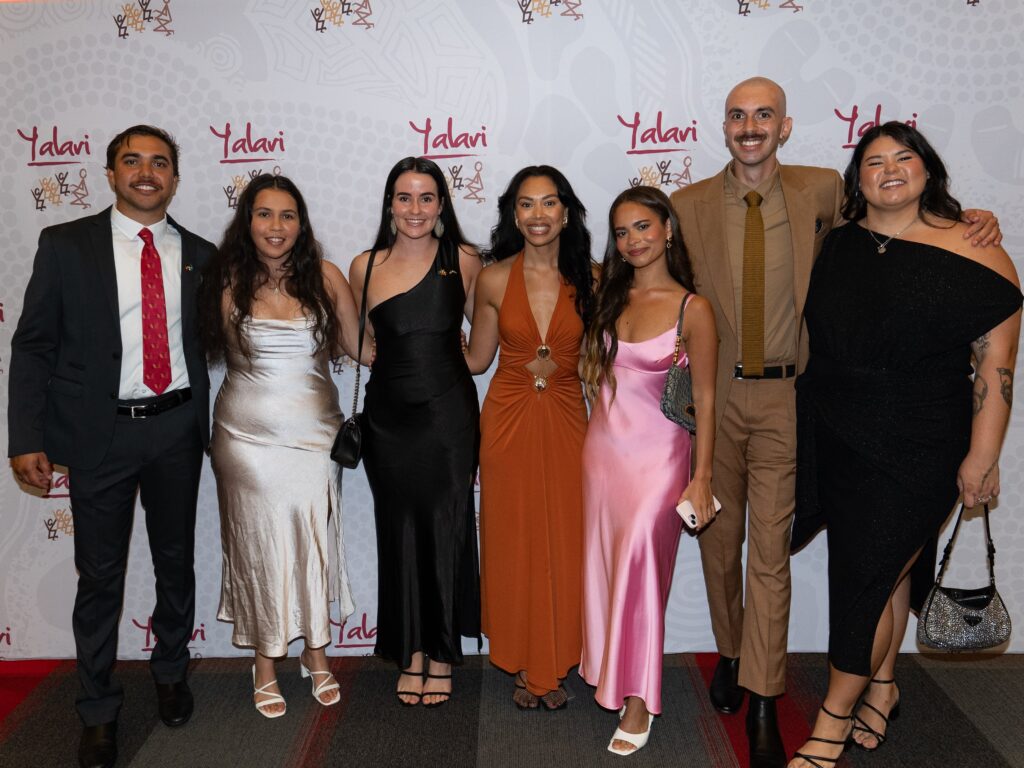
x,y
638,740
272,698
319,689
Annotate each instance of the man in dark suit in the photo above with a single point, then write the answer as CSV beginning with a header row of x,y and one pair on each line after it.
x,y
107,379
758,223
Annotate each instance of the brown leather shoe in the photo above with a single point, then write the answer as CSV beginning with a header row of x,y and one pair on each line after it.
x,y
98,747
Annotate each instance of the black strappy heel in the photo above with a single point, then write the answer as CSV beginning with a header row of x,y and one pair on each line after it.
x,y
860,725
813,759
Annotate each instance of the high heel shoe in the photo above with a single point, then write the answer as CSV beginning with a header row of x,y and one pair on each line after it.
x,y
329,684
638,740
414,695
813,759
273,698
522,696
860,725
446,694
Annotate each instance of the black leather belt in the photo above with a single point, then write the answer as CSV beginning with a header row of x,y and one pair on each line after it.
x,y
153,406
770,372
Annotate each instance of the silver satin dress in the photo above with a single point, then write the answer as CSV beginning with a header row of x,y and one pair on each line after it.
x,y
274,422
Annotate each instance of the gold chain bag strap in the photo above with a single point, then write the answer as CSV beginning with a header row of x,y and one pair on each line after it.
x,y
348,445
677,397
955,619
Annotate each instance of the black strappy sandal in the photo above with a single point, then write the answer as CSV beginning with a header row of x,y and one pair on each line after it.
x,y
813,759
414,694
447,694
860,725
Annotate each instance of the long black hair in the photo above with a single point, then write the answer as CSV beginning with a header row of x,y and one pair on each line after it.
x,y
237,269
574,261
935,199
617,278
451,239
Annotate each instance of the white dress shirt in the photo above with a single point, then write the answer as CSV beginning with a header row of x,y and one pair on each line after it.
x,y
127,263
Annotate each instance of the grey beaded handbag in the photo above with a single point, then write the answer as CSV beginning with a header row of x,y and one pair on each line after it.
x,y
964,619
677,397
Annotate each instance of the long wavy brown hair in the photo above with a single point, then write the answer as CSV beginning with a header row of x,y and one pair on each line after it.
x,y
237,269
602,340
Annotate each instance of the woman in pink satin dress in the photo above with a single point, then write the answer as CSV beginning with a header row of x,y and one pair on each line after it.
x,y
636,463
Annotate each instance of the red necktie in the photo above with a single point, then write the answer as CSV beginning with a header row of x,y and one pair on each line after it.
x,y
156,357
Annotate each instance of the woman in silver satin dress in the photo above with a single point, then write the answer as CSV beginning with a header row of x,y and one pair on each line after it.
x,y
274,311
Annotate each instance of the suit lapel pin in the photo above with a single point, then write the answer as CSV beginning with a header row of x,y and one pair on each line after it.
x,y
188,267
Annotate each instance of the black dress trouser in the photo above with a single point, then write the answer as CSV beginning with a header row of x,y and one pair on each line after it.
x,y
160,458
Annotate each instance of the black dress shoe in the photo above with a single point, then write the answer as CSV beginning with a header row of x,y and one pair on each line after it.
x,y
766,750
98,747
725,693
174,701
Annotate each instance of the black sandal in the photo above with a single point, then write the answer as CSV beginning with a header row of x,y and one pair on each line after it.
x,y
813,759
414,694
447,694
860,725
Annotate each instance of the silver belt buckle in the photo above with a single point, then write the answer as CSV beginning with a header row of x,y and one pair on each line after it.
x,y
142,412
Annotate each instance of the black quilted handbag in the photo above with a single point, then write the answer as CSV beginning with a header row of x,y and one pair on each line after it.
x,y
348,445
677,397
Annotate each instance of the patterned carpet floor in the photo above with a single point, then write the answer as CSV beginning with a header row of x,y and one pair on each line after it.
x,y
956,711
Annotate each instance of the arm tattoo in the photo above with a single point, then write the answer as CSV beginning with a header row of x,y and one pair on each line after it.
x,y
980,393
1006,385
981,345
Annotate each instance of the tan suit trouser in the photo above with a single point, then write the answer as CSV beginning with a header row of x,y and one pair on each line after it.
x,y
755,462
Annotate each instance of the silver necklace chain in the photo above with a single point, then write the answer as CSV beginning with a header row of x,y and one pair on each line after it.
x,y
882,243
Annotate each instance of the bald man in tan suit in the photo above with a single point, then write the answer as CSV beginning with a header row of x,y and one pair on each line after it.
x,y
755,447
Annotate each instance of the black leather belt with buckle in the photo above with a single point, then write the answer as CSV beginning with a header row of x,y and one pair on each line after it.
x,y
153,406
770,372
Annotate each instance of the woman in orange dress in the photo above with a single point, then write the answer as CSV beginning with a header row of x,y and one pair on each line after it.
x,y
534,301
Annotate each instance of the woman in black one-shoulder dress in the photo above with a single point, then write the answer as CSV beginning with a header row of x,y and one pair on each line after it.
x,y
421,431
888,437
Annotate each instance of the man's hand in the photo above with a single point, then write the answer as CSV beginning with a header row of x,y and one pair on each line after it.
x,y
33,469
984,227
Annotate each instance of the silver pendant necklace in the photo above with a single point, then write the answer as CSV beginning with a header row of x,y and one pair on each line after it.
x,y
882,243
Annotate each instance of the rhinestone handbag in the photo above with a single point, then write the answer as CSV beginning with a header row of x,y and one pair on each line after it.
x,y
677,397
955,619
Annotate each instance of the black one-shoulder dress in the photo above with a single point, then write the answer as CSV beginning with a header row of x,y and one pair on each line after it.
x,y
420,452
884,416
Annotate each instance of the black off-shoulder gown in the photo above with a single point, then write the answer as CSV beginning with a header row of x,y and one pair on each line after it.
x,y
884,416
420,453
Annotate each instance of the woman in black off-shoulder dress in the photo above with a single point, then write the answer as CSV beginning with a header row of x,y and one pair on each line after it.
x,y
421,432
892,429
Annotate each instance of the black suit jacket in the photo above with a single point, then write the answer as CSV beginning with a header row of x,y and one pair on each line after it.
x,y
65,365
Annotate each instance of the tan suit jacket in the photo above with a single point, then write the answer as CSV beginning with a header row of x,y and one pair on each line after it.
x,y
755,447
813,199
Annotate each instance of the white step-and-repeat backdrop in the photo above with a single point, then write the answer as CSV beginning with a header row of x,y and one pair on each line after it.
x,y
332,93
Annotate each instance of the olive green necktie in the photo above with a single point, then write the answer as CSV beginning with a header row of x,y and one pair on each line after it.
x,y
752,325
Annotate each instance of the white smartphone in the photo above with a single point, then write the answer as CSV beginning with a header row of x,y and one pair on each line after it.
x,y
686,511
